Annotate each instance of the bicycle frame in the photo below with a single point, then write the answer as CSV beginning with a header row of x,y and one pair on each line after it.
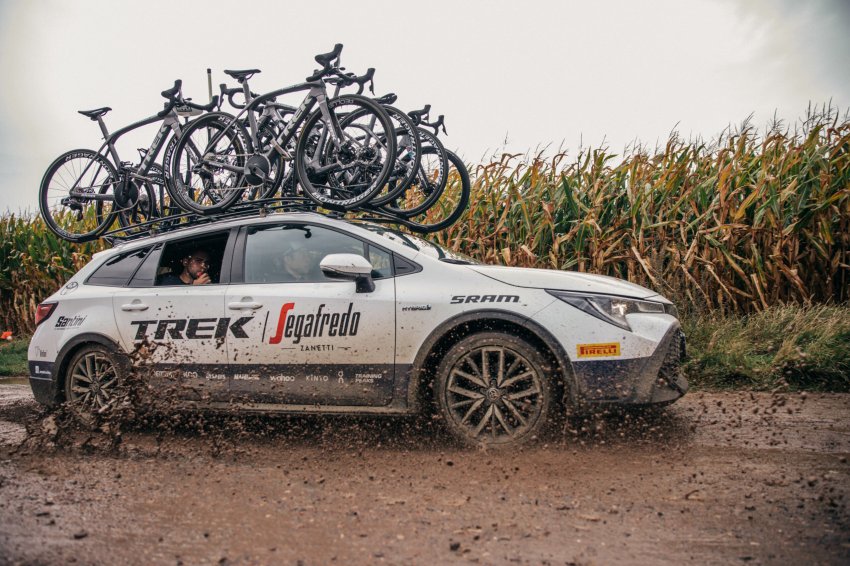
x,y
317,95
170,123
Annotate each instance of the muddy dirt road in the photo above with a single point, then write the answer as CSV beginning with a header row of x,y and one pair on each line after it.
x,y
716,479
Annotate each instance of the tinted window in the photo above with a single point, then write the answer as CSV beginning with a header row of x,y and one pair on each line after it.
x,y
146,274
171,261
117,270
292,253
382,263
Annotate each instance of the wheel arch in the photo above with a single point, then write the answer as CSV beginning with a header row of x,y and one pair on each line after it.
x,y
70,348
455,329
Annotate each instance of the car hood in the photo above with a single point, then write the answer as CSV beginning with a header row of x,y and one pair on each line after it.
x,y
563,281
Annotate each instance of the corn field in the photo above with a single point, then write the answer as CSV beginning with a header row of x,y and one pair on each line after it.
x,y
34,263
733,226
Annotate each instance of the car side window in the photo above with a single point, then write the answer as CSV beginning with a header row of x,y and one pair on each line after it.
x,y
291,253
382,263
117,270
200,255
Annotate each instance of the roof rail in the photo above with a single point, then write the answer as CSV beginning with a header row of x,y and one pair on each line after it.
x,y
259,208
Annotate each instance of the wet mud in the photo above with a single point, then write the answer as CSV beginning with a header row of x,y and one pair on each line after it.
x,y
717,478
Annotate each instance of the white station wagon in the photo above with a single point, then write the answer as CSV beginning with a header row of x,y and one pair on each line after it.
x,y
304,313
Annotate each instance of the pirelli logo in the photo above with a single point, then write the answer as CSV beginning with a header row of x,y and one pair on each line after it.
x,y
598,350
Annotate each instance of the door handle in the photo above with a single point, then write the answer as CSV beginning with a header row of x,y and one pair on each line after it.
x,y
134,306
244,305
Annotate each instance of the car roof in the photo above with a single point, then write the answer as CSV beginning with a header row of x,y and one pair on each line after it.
x,y
226,224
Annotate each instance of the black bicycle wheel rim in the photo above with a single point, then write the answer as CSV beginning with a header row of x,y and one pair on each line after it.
x,y
201,184
368,167
432,175
93,175
453,201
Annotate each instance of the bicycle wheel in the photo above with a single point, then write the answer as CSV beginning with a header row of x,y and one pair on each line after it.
x,y
76,196
137,205
431,177
341,163
166,209
209,164
408,154
452,202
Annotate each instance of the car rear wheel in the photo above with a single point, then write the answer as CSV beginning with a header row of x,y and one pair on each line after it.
x,y
494,389
91,379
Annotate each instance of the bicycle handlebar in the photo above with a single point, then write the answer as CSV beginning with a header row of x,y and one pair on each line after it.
x,y
367,78
343,80
417,116
325,60
175,98
436,125
173,91
231,92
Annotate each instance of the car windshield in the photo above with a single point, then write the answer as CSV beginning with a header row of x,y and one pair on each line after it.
x,y
421,245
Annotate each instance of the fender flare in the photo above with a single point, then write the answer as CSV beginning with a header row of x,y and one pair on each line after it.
x,y
451,324
71,345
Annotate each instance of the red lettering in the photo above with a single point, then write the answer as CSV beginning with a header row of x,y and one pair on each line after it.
x,y
280,323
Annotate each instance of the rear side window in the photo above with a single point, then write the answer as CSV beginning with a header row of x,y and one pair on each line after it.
x,y
118,270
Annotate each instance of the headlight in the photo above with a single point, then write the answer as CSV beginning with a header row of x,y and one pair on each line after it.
x,y
611,309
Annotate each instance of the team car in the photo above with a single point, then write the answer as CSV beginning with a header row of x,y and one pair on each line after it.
x,y
379,322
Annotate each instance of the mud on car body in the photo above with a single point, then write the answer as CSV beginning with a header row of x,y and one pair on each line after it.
x,y
377,322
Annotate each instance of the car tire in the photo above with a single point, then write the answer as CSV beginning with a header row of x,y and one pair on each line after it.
x,y
92,377
494,389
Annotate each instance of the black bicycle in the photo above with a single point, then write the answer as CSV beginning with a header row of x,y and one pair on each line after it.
x,y
340,164
83,192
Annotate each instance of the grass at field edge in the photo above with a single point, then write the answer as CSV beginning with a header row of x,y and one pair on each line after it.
x,y
13,357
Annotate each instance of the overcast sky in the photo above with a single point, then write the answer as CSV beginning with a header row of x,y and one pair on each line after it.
x,y
513,74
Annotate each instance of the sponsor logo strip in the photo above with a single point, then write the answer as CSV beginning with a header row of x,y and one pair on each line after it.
x,y
598,350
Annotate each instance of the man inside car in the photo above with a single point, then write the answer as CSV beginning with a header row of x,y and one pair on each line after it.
x,y
196,267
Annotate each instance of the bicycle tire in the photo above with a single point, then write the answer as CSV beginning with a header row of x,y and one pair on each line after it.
x,y
345,176
430,180
453,200
77,217
208,179
407,156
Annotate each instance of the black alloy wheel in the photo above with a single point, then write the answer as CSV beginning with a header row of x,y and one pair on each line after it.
x,y
493,389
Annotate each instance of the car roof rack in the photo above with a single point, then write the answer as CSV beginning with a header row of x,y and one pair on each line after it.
x,y
254,208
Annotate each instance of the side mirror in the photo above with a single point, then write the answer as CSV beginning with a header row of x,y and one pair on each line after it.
x,y
349,266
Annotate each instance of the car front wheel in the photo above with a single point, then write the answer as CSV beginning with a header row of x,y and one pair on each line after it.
x,y
493,389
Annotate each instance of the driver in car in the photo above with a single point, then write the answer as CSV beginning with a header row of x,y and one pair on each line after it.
x,y
196,267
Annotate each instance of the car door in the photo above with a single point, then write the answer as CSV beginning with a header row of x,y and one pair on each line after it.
x,y
311,340
177,332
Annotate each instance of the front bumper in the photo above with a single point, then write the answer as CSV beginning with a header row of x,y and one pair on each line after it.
x,y
657,379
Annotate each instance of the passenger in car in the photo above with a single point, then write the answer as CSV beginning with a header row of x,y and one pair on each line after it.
x,y
299,266
196,267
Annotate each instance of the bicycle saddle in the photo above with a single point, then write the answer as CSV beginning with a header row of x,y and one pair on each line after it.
x,y
388,98
96,113
242,75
